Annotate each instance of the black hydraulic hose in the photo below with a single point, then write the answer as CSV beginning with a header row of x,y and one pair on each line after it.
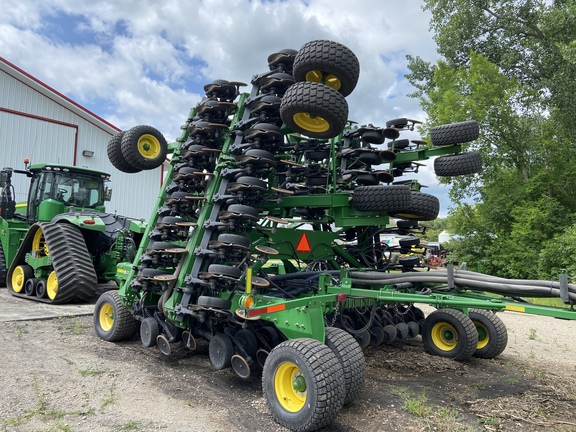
x,y
494,287
458,275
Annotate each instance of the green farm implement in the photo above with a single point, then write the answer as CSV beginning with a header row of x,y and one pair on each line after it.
x,y
265,241
57,246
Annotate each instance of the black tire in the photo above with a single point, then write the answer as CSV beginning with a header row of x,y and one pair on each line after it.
x,y
112,321
408,242
251,212
247,341
314,110
424,207
320,58
399,144
409,261
19,276
41,289
381,198
115,156
449,333
370,158
213,302
458,164
220,351
234,239
454,133
144,147
224,270
3,269
351,358
30,287
308,362
492,333
398,123
254,182
366,179
149,331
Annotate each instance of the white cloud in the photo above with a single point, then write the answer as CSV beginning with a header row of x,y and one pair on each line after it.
x,y
145,62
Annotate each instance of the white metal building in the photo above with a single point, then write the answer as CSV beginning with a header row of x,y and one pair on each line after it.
x,y
41,124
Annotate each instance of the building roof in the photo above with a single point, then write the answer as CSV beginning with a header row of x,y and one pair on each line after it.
x,y
54,95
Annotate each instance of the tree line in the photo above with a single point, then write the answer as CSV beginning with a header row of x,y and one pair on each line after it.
x,y
511,66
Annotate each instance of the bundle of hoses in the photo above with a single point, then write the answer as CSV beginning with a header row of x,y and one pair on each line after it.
x,y
463,279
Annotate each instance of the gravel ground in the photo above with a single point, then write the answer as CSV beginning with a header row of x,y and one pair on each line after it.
x,y
58,376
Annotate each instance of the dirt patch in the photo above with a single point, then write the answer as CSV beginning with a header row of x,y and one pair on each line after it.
x,y
58,376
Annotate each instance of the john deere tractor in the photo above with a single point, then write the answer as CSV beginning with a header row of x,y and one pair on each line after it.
x,y
59,244
265,241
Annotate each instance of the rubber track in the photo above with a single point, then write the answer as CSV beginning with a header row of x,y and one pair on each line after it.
x,y
457,165
77,281
2,268
454,133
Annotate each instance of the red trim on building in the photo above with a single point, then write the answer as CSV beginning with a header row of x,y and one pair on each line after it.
x,y
57,93
49,120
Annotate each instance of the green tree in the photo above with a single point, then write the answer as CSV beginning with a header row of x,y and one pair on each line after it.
x,y
510,65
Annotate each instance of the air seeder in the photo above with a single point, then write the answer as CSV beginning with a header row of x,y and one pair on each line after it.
x,y
265,241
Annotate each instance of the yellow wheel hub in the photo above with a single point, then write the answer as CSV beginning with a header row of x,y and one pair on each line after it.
x,y
18,279
311,123
149,146
290,387
483,337
327,79
444,336
52,286
39,244
106,317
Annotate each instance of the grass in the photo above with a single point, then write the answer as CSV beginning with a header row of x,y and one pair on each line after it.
x,y
92,371
110,397
72,324
132,426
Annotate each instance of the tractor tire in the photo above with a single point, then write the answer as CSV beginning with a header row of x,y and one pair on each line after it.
x,y
492,333
449,333
351,358
144,147
329,63
424,207
458,164
116,157
454,133
112,321
314,110
381,198
303,384
73,278
3,269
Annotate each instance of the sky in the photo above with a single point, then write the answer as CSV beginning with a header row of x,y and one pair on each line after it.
x,y
136,62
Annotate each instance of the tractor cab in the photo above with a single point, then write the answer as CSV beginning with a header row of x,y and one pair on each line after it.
x,y
56,189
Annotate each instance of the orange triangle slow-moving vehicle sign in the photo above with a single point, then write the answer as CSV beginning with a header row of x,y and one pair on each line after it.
x,y
303,245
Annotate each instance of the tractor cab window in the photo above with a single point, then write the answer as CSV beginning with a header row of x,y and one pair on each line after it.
x,y
78,190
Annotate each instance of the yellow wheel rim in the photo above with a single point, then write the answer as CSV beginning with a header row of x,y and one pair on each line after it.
x,y
290,387
311,123
149,146
39,244
52,285
483,337
106,317
327,79
444,336
18,279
